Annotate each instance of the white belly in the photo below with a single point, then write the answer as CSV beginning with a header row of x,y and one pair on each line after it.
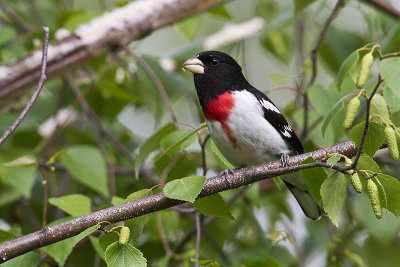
x,y
257,140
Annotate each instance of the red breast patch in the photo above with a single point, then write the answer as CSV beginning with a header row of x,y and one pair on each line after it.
x,y
219,110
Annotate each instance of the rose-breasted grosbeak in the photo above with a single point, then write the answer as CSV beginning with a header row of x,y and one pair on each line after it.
x,y
245,125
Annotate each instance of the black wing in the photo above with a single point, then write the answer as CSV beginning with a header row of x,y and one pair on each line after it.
x,y
277,120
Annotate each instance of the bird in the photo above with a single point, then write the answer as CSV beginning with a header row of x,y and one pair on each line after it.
x,y
244,123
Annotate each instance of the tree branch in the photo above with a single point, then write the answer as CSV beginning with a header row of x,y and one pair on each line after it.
x,y
385,6
38,89
238,178
120,26
367,113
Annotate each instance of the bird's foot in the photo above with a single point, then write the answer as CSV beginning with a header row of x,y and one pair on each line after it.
x,y
285,160
226,173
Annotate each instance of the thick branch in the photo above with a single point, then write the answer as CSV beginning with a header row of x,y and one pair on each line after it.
x,y
241,177
119,27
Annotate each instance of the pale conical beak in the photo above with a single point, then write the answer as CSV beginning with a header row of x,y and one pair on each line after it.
x,y
194,65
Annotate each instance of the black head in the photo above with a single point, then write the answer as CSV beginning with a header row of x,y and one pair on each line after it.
x,y
215,73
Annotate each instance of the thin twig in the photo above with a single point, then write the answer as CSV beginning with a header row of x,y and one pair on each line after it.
x,y
163,236
198,237
203,153
91,115
38,89
317,44
314,53
45,196
366,126
111,174
155,80
14,16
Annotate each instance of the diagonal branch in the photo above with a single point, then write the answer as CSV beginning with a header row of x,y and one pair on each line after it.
x,y
240,177
38,89
121,26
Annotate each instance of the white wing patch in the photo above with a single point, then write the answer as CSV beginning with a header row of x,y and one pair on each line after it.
x,y
287,131
268,105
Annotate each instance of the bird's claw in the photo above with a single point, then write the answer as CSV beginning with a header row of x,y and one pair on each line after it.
x,y
285,160
226,173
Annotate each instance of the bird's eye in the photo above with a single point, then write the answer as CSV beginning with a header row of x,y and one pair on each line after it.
x,y
214,62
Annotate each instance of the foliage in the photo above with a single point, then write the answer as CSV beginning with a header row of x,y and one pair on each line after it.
x,y
82,170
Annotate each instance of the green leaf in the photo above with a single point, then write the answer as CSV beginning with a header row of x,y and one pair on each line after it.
x,y
6,235
391,187
117,200
24,161
213,205
174,137
152,143
6,33
76,205
389,68
128,255
29,259
335,110
347,67
186,189
95,241
379,106
87,166
299,5
278,78
189,26
220,11
333,192
60,251
138,195
334,159
20,178
225,162
181,143
367,163
322,98
279,43
374,139
313,177
392,97
107,239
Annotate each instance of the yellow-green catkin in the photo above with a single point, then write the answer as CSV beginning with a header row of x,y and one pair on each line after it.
x,y
124,235
351,112
390,136
355,181
373,194
354,178
366,64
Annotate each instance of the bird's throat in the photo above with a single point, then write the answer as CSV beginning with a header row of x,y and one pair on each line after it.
x,y
219,110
